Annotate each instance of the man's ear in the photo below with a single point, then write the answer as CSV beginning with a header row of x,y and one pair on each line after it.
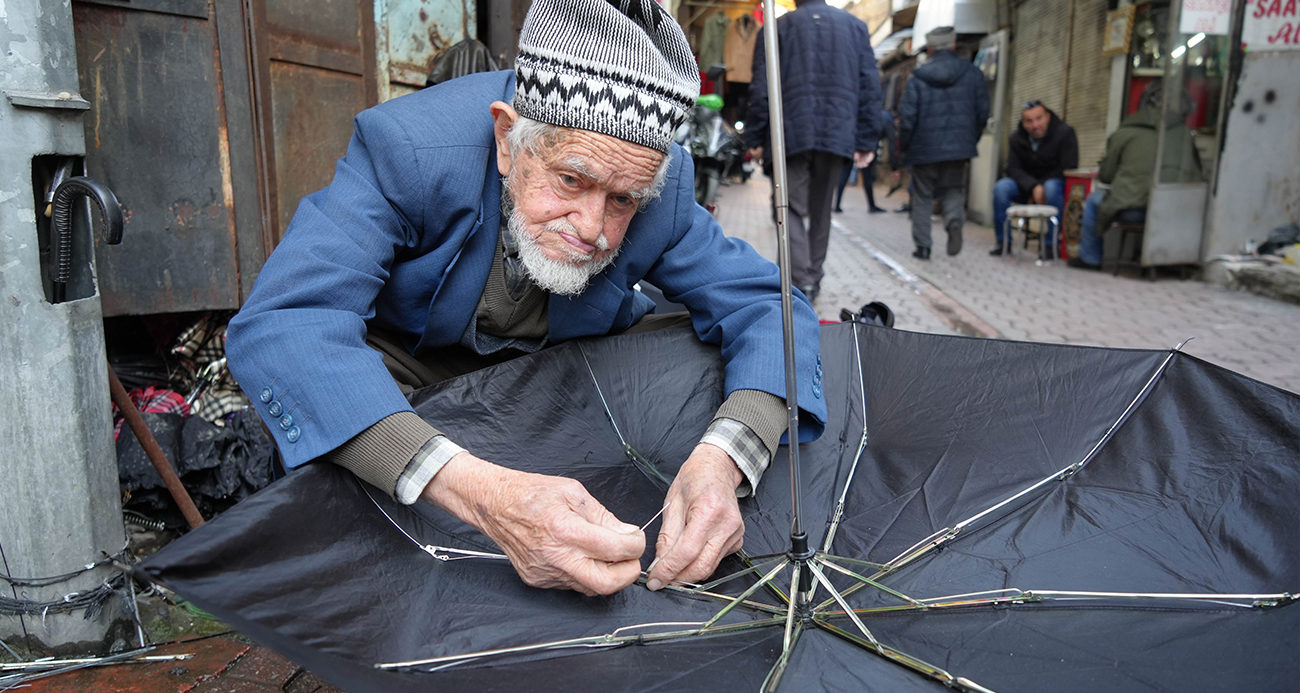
x,y
503,118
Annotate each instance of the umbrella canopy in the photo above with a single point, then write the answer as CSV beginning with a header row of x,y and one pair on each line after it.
x,y
1193,494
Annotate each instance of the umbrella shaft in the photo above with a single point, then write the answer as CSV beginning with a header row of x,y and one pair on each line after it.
x,y
780,198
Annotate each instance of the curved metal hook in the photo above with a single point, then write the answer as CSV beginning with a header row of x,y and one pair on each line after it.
x,y
110,213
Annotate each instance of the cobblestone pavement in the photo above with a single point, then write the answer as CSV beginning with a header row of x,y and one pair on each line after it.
x,y
1013,298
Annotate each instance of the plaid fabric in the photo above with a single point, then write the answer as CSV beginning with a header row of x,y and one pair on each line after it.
x,y
221,400
428,460
744,447
151,400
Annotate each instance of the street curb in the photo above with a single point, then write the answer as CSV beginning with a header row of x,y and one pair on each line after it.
x,y
943,306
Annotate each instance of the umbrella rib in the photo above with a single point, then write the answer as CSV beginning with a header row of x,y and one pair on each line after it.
x,y
943,536
826,560
638,460
777,671
835,594
754,568
693,590
898,657
607,640
833,524
751,590
1245,601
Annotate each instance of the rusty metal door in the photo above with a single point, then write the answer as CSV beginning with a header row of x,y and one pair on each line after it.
x,y
170,131
314,69
413,34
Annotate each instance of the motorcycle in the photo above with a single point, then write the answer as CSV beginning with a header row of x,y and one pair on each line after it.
x,y
716,148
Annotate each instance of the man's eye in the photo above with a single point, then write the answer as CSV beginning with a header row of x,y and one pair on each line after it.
x,y
624,201
568,180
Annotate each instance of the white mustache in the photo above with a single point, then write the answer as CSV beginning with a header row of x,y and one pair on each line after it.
x,y
567,227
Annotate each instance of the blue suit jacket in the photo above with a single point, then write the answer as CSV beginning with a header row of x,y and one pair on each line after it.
x,y
403,238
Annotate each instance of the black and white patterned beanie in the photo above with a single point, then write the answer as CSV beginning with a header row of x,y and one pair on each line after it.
x,y
618,67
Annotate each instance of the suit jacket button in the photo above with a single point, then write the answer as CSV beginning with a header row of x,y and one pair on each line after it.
x,y
267,394
293,434
274,407
286,421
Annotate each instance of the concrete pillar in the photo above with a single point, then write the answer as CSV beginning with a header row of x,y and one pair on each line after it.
x,y
59,501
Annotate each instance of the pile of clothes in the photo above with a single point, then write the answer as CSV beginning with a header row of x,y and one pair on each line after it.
x,y
213,439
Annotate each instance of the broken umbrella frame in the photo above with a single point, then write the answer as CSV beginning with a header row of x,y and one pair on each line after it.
x,y
795,610
798,614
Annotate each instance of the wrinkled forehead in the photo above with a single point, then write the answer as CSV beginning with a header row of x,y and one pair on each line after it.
x,y
608,162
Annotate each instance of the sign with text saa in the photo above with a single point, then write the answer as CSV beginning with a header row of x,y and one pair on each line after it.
x,y
1271,25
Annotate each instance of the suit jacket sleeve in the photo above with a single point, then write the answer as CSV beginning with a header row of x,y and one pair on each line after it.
x,y
299,340
733,295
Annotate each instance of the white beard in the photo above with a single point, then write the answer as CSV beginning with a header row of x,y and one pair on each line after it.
x,y
554,276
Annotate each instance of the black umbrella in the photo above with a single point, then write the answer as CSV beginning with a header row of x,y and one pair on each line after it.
x,y
1066,586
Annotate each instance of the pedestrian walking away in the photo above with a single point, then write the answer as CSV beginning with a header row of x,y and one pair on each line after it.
x,y
941,118
830,92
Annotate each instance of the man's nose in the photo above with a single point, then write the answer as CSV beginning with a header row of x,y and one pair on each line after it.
x,y
589,217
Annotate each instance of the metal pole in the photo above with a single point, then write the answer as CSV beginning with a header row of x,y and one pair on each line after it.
x,y
780,198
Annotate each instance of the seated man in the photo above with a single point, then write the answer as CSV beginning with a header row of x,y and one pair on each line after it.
x,y
1041,150
1128,167
492,216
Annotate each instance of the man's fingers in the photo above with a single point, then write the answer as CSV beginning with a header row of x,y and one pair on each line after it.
x,y
602,543
710,557
680,554
593,577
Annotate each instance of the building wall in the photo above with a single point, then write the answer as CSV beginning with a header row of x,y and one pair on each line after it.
x,y
1087,95
1038,54
1258,182
1057,60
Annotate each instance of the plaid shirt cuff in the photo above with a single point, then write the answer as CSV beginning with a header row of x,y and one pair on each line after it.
x,y
428,460
744,447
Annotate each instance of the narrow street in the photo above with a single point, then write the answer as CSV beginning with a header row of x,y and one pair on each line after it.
x,y
976,294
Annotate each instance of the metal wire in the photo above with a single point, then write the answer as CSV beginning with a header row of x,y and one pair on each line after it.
x,y
833,524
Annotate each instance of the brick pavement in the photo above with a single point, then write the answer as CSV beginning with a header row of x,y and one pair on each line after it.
x,y
1016,299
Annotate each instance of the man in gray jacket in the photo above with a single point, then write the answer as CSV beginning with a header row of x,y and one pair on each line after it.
x,y
940,121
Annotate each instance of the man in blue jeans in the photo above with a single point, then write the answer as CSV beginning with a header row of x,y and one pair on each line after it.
x,y
1042,149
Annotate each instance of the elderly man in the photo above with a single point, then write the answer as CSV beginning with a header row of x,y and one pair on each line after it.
x,y
492,216
1042,149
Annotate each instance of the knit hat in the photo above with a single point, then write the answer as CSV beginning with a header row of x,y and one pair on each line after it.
x,y
942,38
618,67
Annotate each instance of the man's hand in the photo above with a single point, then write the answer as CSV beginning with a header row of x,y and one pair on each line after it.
x,y
554,532
863,159
756,154
702,522
1040,195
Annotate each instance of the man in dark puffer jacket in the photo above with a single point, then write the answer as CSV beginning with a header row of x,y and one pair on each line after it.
x,y
1042,149
830,90
941,118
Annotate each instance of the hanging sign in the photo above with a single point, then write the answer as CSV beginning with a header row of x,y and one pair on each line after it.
x,y
1271,25
1205,17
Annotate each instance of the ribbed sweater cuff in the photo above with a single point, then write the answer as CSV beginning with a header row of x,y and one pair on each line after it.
x,y
381,453
762,412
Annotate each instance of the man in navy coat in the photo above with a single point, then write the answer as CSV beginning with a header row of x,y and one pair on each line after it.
x,y
492,216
